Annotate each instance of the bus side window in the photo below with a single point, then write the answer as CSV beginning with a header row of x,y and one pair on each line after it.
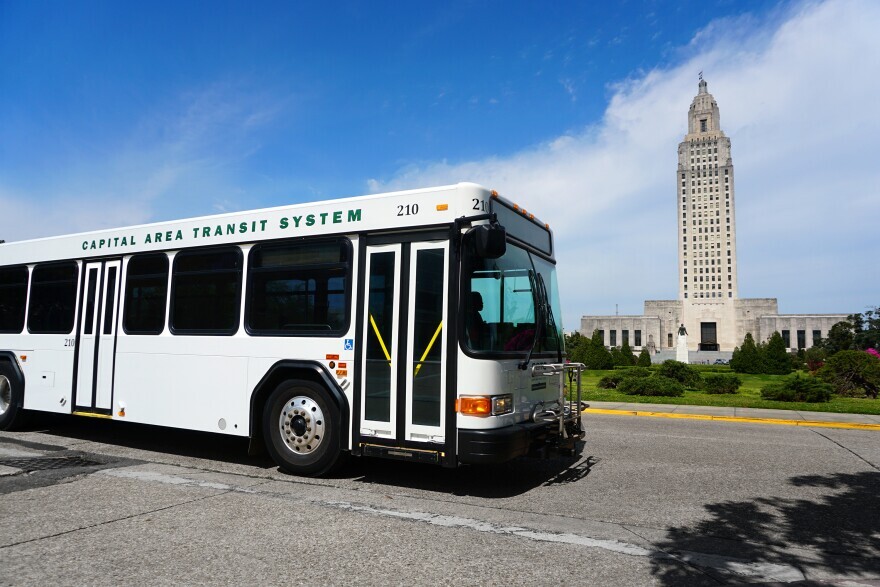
x,y
13,298
299,288
206,291
146,288
53,298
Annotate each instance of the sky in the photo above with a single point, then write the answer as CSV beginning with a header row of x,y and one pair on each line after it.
x,y
120,113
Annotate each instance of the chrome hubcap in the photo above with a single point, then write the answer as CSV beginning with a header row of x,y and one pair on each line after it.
x,y
5,394
302,425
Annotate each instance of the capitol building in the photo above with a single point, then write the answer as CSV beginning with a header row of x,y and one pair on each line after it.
x,y
715,317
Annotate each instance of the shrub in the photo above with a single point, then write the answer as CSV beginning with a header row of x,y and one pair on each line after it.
x,y
718,384
815,357
747,358
651,386
595,355
776,358
798,389
680,372
638,372
644,358
613,380
852,373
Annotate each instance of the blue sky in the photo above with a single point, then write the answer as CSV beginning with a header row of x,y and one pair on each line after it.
x,y
115,113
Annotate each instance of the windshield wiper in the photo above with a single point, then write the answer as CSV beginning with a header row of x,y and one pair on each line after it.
x,y
539,316
551,321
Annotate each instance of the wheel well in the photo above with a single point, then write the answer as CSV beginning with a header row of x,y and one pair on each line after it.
x,y
285,371
7,358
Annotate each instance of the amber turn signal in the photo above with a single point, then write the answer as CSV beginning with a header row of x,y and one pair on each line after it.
x,y
474,406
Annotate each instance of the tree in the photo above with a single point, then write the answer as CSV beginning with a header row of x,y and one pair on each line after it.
x,y
596,356
840,338
747,358
776,359
866,329
815,358
644,359
627,358
853,371
577,349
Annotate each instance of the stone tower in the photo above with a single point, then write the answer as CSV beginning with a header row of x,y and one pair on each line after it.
x,y
708,305
707,283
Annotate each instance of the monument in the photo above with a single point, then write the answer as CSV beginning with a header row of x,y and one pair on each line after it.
x,y
681,350
708,303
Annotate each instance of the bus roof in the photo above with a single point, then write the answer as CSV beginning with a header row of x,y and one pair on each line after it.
x,y
435,206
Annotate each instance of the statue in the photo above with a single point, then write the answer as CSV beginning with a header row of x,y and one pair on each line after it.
x,y
681,350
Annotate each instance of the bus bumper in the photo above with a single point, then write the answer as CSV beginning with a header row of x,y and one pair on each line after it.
x,y
496,445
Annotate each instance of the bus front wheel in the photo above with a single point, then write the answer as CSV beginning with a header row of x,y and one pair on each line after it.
x,y
10,398
301,428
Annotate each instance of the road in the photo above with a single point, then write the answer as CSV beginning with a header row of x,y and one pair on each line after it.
x,y
649,501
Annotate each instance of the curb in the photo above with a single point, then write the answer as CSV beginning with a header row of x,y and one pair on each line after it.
x,y
778,422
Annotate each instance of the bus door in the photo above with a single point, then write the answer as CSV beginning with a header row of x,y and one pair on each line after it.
x,y
96,337
403,359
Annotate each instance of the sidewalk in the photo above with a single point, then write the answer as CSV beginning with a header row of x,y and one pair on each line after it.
x,y
752,415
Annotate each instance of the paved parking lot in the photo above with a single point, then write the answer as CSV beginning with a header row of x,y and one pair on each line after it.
x,y
648,501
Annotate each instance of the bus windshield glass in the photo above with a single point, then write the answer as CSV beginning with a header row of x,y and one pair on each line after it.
x,y
503,300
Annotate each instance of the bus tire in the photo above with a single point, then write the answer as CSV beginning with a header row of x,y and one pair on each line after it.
x,y
11,400
302,429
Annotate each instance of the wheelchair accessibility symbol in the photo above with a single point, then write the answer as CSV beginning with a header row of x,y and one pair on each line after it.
x,y
349,344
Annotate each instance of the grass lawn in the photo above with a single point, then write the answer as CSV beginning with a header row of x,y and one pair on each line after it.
x,y
748,396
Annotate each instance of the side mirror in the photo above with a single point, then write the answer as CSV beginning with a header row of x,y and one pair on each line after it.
x,y
490,240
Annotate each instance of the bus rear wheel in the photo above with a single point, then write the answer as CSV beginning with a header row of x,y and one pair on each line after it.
x,y
11,414
301,428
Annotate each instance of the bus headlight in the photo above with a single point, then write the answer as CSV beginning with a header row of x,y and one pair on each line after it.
x,y
502,404
484,406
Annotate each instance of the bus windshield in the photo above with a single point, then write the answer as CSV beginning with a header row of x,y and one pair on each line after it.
x,y
500,303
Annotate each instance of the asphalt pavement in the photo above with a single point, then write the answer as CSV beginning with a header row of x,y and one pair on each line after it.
x,y
648,500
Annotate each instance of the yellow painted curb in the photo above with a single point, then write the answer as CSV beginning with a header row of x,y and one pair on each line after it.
x,y
809,423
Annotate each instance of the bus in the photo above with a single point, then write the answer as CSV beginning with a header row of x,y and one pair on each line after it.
x,y
420,325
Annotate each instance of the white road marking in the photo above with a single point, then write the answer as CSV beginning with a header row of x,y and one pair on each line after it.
x,y
760,570
742,568
171,480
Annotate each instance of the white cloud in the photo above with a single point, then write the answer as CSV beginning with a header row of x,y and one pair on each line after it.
x,y
172,163
797,94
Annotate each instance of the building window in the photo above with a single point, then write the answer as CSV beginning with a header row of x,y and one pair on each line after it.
x,y
703,125
624,337
802,339
786,338
817,337
613,335
602,336
669,339
637,337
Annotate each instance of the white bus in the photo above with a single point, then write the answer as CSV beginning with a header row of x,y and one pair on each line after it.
x,y
420,325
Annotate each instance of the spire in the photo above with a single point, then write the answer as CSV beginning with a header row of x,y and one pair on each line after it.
x,y
703,85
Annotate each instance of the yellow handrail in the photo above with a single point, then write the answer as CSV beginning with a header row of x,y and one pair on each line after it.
x,y
381,342
428,350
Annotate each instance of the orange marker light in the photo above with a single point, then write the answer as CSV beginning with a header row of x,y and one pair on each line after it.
x,y
474,406
494,193
442,207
